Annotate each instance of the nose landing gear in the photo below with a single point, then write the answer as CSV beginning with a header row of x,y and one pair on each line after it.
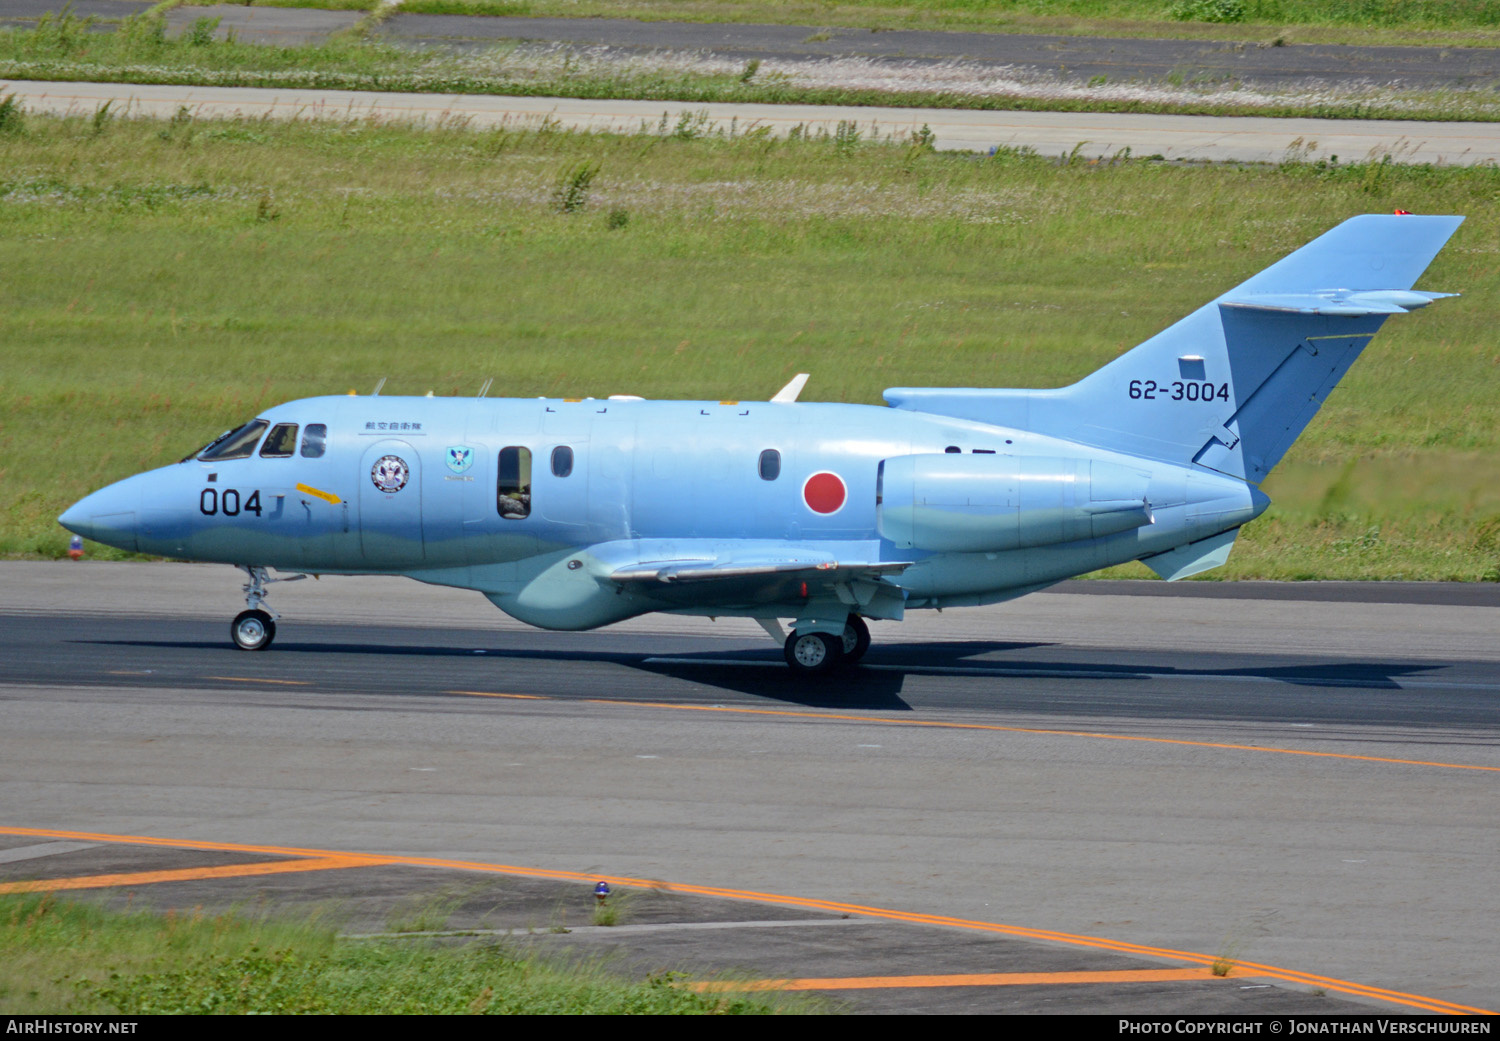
x,y
254,629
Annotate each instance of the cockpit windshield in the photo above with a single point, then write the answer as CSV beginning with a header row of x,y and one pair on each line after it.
x,y
235,444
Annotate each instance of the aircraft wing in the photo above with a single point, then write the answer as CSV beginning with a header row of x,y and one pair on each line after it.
x,y
823,572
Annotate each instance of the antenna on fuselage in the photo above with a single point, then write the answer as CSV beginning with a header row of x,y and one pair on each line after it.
x,y
788,394
486,388
376,392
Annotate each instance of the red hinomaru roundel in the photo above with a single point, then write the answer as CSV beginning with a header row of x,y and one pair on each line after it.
x,y
824,492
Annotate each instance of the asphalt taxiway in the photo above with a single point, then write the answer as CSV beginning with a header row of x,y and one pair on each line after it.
x,y
1304,785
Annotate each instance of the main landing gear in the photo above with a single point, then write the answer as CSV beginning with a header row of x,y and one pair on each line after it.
x,y
254,629
809,653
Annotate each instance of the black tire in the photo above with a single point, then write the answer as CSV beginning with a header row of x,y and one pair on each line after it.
x,y
856,639
812,653
252,630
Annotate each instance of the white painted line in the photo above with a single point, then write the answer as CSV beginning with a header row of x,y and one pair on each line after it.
x,y
42,849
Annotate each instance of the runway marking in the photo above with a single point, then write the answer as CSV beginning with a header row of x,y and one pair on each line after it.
x,y
258,679
143,878
1099,735
832,906
944,724
982,979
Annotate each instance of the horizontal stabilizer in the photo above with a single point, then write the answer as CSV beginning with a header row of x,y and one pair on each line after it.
x,y
1194,558
1336,302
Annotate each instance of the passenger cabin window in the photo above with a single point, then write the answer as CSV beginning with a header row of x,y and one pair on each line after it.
x,y
280,442
237,444
562,461
770,465
513,491
314,440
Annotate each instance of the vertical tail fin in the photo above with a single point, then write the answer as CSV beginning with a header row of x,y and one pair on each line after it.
x,y
1232,385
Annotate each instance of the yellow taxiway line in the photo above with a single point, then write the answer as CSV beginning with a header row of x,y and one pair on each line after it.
x,y
978,979
141,878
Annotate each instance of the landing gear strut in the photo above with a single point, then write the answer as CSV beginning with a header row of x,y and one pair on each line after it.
x,y
809,653
254,629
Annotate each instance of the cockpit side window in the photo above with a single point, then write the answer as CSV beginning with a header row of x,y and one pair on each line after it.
x,y
237,444
280,442
314,440
513,489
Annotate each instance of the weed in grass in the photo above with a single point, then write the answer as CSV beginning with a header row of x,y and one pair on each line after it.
x,y
266,210
572,191
101,118
424,913
614,910
201,32
751,68
846,136
618,218
179,127
691,126
12,116
1207,10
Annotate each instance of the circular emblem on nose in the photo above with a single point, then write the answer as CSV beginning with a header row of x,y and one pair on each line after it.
x,y
824,492
390,473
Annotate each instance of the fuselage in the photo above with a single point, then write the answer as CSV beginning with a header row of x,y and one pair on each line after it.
x,y
493,494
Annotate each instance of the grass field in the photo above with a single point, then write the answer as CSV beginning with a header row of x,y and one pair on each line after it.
x,y
79,959
142,51
166,280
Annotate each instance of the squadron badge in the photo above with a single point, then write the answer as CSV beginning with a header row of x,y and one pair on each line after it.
x,y
460,458
390,473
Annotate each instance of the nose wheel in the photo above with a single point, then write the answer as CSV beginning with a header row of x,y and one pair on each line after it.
x,y
252,630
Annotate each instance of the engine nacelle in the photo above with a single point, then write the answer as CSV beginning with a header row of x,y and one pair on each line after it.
x,y
982,502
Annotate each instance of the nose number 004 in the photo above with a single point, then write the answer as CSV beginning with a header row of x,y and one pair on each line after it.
x,y
228,502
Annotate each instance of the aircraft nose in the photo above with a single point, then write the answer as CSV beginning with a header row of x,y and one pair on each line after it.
x,y
107,516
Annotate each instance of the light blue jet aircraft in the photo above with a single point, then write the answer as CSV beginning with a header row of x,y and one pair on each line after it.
x,y
572,514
